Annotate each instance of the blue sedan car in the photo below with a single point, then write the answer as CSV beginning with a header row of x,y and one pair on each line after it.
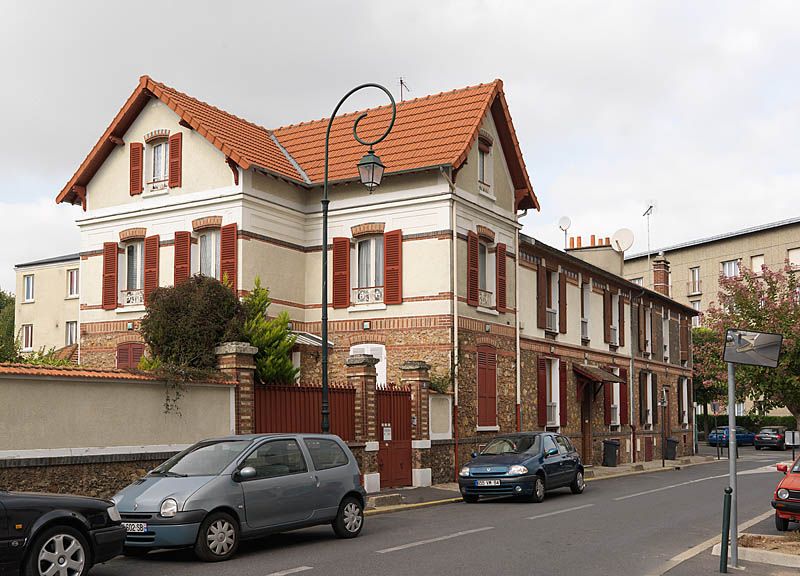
x,y
719,437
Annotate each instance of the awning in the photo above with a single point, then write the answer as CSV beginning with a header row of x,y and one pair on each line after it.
x,y
309,339
596,374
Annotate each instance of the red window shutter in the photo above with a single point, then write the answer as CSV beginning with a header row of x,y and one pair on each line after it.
x,y
175,162
229,255
183,251
472,269
541,392
606,316
341,272
500,259
624,407
137,351
621,326
607,393
487,386
137,165
562,392
151,253
110,276
392,267
562,303
124,356
642,339
541,296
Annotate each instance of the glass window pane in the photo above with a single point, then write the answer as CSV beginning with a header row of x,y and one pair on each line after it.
x,y
325,454
482,266
364,251
205,255
157,162
277,458
132,267
379,261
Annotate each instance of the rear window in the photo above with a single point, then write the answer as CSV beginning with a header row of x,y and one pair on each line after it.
x,y
770,431
325,453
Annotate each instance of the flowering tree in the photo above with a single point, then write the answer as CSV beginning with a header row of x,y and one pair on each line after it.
x,y
765,302
710,376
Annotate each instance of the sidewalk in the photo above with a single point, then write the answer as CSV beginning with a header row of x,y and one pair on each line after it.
x,y
395,499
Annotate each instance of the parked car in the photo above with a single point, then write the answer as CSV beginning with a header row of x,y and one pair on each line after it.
x,y
524,465
719,436
786,499
771,437
220,491
50,534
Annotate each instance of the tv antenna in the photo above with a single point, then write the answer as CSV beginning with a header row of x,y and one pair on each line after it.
x,y
402,86
564,223
647,214
622,240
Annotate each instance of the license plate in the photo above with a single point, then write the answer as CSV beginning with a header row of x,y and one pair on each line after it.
x,y
487,482
135,527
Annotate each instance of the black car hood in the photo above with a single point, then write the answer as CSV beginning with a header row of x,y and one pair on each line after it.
x,y
507,459
60,500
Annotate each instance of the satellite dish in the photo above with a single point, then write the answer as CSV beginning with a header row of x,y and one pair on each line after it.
x,y
564,223
622,240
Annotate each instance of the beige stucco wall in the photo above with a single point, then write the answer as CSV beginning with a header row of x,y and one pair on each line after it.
x,y
773,244
50,413
204,167
51,307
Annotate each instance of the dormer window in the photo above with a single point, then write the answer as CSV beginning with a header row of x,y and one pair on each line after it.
x,y
485,164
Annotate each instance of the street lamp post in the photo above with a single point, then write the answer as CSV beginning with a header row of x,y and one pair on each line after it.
x,y
370,171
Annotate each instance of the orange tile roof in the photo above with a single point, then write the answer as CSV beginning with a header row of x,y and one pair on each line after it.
x,y
433,131
16,369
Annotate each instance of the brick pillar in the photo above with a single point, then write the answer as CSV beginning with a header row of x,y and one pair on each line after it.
x,y
362,376
661,274
416,375
236,361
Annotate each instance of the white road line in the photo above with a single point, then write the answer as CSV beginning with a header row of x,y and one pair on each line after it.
x,y
560,512
671,486
291,571
432,540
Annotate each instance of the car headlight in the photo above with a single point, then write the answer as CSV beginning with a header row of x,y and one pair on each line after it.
x,y
169,508
783,493
464,471
516,470
113,513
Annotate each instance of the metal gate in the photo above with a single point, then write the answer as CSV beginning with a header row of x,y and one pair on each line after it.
x,y
394,436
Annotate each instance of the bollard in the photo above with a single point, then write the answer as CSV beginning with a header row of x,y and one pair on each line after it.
x,y
726,528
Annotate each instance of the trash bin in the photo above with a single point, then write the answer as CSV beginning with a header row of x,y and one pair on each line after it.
x,y
610,452
672,449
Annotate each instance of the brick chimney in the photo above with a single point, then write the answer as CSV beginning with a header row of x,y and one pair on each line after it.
x,y
661,274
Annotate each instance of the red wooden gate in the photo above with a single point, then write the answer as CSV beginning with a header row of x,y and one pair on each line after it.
x,y
394,436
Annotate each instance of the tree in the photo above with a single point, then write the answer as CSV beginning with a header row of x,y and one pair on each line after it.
x,y
710,376
766,302
184,323
8,348
271,336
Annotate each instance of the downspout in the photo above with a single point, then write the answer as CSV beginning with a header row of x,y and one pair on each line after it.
x,y
518,356
454,305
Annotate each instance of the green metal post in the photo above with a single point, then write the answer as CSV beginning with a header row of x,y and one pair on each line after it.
x,y
726,528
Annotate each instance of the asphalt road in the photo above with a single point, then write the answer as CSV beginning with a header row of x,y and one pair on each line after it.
x,y
624,526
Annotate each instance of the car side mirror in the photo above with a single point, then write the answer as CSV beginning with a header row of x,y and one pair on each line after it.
x,y
474,454
245,473
550,452
782,468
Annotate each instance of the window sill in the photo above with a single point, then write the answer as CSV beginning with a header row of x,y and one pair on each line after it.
x,y
28,301
490,311
127,309
488,428
366,307
486,191
157,192
75,297
27,350
585,342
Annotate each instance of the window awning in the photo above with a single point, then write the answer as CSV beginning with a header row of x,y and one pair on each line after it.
x,y
596,374
309,339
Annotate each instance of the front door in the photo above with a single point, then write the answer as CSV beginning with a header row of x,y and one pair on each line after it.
x,y
586,423
394,437
283,490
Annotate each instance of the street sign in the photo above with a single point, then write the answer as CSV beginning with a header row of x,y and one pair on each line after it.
x,y
792,438
753,348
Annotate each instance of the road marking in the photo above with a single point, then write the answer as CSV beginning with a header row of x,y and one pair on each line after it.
x,y
291,571
432,540
560,512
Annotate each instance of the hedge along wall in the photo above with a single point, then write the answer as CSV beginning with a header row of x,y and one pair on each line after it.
x,y
752,423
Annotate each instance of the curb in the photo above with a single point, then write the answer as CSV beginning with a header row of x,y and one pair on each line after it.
x,y
401,507
763,556
669,468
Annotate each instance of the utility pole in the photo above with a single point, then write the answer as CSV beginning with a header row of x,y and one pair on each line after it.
x,y
648,213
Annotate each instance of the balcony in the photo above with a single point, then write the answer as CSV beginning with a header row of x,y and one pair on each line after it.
x,y
584,328
552,320
694,287
485,299
133,297
613,334
368,295
552,414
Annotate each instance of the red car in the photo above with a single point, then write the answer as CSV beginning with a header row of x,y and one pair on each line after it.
x,y
786,499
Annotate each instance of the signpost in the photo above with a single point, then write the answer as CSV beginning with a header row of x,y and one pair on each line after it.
x,y
754,349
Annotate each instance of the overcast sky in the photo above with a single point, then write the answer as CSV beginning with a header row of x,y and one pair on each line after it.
x,y
692,106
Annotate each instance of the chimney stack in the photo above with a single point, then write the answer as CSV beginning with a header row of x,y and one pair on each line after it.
x,y
661,274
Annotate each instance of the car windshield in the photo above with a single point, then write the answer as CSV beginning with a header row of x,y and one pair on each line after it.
x,y
511,445
204,459
796,468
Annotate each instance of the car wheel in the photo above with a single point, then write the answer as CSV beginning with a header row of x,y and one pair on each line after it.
x,y
538,490
350,518
578,484
470,498
218,538
782,524
59,551
135,552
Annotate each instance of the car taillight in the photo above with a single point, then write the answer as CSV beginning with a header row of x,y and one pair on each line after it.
x,y
779,436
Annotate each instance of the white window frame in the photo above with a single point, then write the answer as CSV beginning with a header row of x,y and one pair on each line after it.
x,y
442,398
158,150
485,167
369,262
553,390
615,317
648,329
685,403
28,288
638,281
730,268
616,400
586,298
27,337
483,262
73,274
695,304
793,256
694,280
135,247
739,408
376,351
650,401
665,335
71,328
757,260
211,235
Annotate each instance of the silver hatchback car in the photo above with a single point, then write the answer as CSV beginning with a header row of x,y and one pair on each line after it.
x,y
220,491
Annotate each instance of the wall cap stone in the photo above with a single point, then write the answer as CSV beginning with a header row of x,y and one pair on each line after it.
x,y
361,360
235,348
415,365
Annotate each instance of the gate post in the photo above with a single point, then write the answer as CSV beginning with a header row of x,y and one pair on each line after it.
x,y
416,376
362,376
236,360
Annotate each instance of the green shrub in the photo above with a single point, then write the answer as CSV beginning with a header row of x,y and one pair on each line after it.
x,y
752,422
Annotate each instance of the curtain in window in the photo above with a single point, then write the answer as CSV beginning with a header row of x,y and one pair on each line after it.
x,y
206,256
133,257
364,251
378,260
482,266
